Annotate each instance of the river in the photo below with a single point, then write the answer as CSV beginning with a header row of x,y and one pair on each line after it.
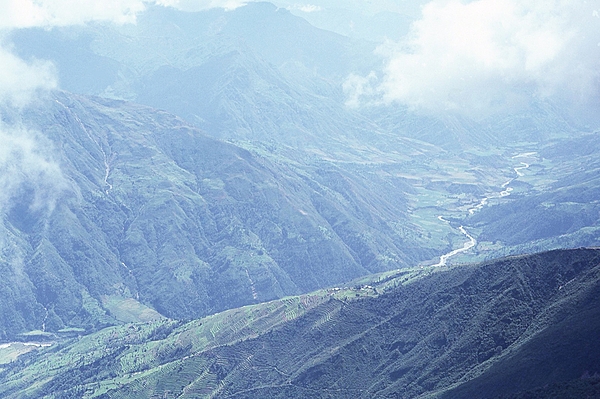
x,y
506,190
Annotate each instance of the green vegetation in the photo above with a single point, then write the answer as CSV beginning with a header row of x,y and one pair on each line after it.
x,y
10,352
517,326
127,310
151,213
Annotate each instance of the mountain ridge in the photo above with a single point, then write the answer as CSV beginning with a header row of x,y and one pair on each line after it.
x,y
441,332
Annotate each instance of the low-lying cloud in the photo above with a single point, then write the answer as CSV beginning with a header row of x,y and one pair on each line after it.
x,y
27,167
20,81
307,8
25,161
487,55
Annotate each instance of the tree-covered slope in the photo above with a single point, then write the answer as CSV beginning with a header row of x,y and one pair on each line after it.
x,y
496,329
274,84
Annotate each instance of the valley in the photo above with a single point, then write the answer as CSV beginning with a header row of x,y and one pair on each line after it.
x,y
472,242
202,207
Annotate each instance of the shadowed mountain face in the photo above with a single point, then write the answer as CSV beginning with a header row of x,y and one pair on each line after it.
x,y
149,209
493,330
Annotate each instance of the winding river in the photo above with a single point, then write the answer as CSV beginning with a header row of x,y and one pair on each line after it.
x,y
506,190
466,246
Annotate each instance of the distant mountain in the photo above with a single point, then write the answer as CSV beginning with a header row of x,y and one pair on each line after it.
x,y
515,327
258,73
254,73
540,122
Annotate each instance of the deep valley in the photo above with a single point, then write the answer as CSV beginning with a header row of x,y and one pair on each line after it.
x,y
201,207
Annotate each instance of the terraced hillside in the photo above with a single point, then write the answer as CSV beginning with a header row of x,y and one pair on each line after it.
x,y
507,328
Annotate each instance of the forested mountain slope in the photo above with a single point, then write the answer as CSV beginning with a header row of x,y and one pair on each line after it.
x,y
125,210
142,207
490,330
273,84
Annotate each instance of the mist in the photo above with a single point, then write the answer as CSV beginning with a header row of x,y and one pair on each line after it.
x,y
26,163
30,177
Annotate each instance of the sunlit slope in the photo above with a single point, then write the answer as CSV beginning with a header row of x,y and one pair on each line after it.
x,y
487,330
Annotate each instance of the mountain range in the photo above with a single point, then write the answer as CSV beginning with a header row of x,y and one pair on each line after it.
x,y
148,208
199,212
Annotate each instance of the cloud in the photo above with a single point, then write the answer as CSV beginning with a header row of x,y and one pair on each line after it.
x,y
28,173
49,13
489,54
358,87
199,5
46,13
307,8
26,163
20,81
24,167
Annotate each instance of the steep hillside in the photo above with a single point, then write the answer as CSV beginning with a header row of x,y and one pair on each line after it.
x,y
143,207
273,84
132,214
506,328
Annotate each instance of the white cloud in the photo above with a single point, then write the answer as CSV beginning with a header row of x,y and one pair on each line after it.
x,y
358,87
48,13
307,8
489,54
24,160
28,13
19,81
199,5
